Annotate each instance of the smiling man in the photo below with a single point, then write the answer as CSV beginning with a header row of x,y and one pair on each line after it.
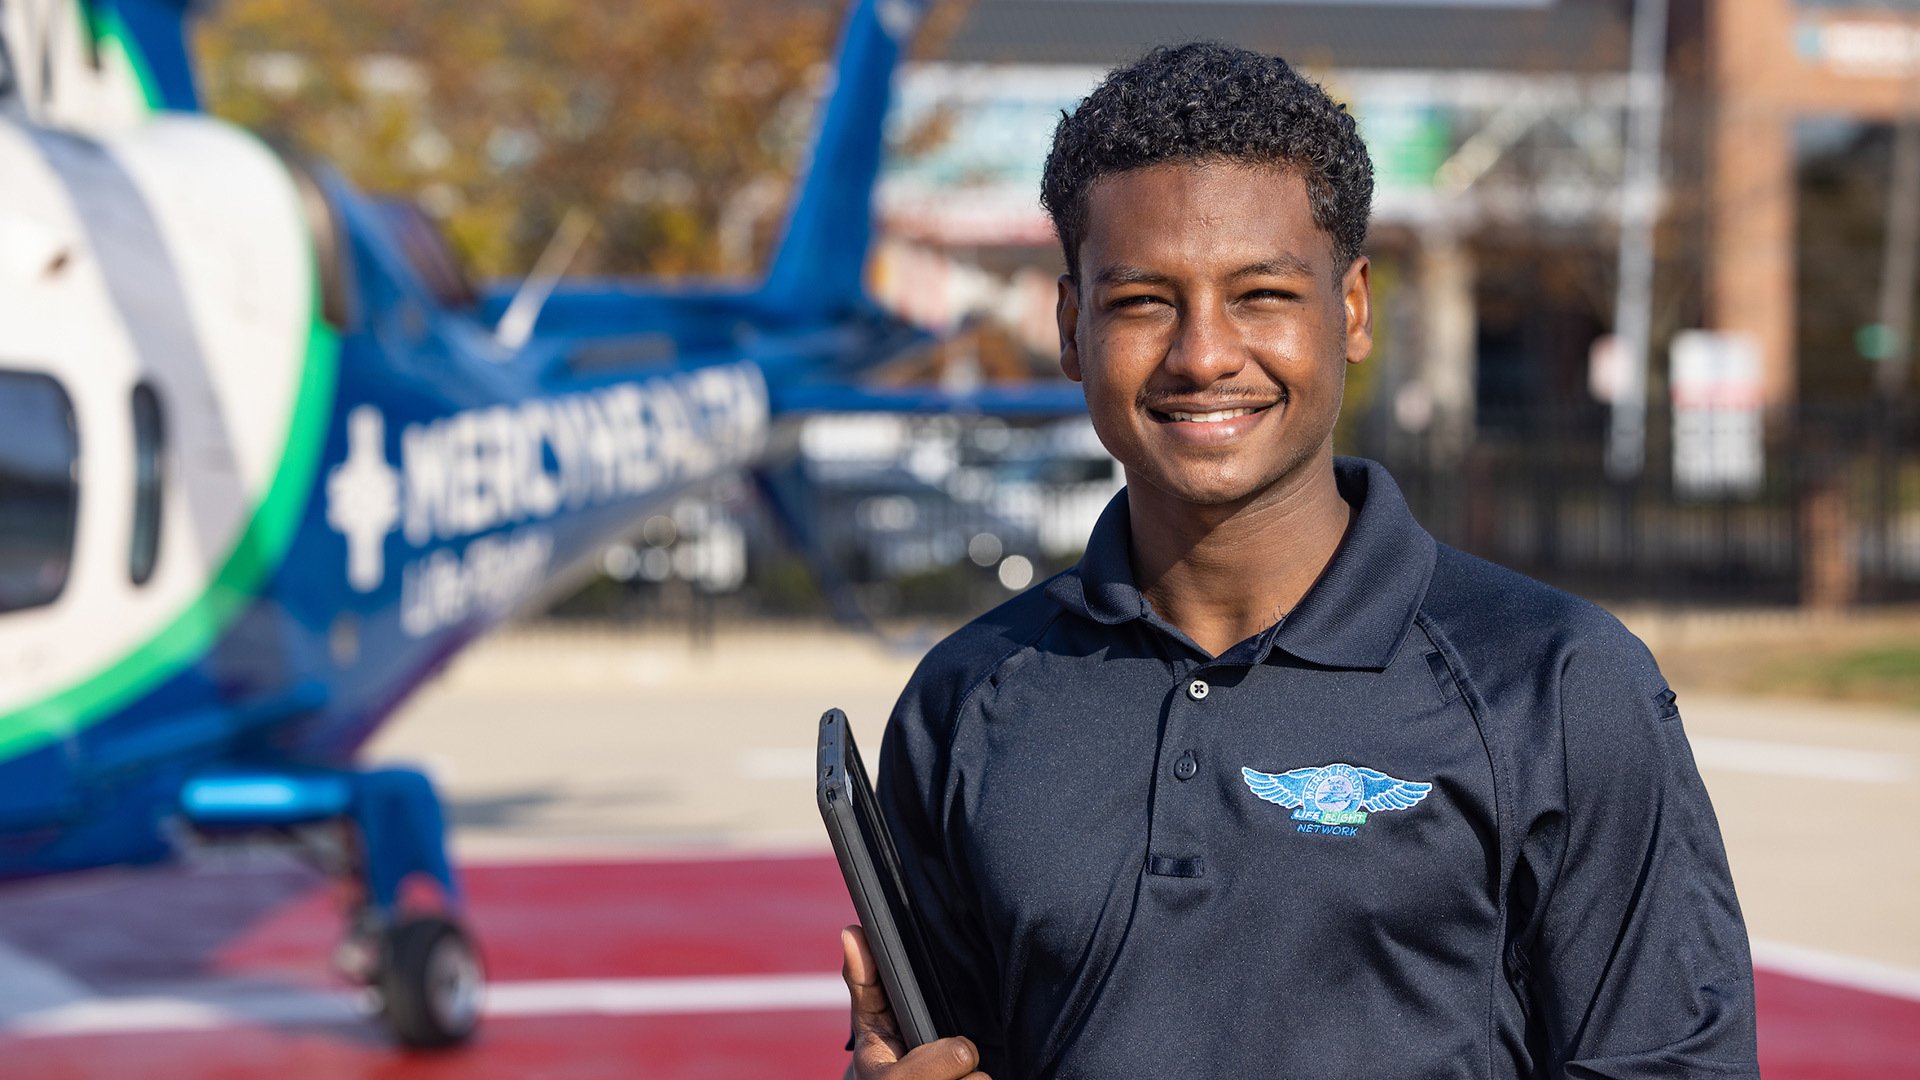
x,y
1270,783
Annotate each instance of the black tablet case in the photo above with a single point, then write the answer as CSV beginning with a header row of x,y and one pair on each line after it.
x,y
871,867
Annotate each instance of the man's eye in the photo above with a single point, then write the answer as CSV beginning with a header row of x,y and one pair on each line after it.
x,y
1272,294
1137,301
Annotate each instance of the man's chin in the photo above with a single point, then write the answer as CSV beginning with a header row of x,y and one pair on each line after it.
x,y
1211,491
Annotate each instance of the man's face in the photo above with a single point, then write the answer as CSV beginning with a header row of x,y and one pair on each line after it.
x,y
1211,328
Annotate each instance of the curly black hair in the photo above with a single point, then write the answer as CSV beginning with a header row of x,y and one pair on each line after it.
x,y
1203,102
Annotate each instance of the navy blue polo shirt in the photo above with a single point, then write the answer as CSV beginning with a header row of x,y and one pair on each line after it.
x,y
1439,821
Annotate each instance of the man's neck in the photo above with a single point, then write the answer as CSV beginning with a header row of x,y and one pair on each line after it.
x,y
1224,573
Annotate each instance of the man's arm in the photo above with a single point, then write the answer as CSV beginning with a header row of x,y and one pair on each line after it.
x,y
913,790
1640,966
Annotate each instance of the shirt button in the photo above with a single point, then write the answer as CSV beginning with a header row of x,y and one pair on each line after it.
x,y
1198,689
1185,767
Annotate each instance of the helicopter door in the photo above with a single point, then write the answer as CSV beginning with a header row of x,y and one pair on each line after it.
x,y
39,512
39,496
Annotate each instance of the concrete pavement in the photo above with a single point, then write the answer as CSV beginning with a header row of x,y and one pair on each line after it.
x,y
553,743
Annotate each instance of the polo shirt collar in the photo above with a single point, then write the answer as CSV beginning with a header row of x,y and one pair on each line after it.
x,y
1101,586
1355,616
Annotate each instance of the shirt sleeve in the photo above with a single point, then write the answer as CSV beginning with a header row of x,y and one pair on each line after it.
x,y
1640,967
915,795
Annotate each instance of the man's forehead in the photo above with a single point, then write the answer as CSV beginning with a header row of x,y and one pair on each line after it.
x,y
1209,211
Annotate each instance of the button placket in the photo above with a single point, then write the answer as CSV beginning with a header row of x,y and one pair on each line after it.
x,y
1188,765
1177,844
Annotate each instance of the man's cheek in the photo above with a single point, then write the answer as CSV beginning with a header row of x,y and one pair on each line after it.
x,y
1115,432
1105,395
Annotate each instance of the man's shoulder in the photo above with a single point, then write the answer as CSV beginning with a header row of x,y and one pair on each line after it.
x,y
1494,616
952,669
1566,687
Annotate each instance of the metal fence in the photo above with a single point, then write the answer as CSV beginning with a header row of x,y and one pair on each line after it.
x,y
1834,521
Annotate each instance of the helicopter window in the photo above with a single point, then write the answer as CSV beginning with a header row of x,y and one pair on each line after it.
x,y
39,492
427,252
149,440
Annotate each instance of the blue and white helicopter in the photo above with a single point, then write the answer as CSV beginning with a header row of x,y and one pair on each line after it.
x,y
265,465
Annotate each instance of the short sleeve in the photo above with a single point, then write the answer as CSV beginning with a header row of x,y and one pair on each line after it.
x,y
1640,967
913,790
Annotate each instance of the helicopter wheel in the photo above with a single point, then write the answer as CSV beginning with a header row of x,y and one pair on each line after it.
x,y
430,983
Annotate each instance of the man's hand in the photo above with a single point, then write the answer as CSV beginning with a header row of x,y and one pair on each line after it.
x,y
878,1052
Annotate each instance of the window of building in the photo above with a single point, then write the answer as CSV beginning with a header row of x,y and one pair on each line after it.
x,y
39,489
149,442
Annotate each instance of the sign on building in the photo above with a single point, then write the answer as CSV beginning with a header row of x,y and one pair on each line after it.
x,y
1718,448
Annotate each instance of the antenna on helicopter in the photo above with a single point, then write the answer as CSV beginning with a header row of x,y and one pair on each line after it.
x,y
517,322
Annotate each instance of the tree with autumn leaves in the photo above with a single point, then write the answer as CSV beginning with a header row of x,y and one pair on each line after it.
x,y
675,125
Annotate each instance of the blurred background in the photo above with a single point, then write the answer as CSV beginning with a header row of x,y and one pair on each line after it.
x,y
1645,275
1758,246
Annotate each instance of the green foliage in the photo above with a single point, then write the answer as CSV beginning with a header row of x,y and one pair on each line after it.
x,y
500,115
785,587
1875,673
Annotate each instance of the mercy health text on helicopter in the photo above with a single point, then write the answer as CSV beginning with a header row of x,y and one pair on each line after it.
x,y
489,577
480,469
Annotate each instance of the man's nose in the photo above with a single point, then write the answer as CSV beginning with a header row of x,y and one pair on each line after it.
x,y
1208,347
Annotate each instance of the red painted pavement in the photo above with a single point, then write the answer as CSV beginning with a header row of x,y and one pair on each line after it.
x,y
1816,1031
757,916
777,1046
607,921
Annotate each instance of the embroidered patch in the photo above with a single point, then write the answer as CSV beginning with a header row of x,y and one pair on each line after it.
x,y
1334,799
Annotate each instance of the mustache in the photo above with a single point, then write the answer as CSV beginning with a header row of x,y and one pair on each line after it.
x,y
1224,397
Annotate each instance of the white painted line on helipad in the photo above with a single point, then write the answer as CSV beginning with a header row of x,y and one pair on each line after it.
x,y
635,997
219,1007
1800,759
216,1007
1837,969
213,1009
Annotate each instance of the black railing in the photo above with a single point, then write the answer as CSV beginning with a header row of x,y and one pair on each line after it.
x,y
1835,519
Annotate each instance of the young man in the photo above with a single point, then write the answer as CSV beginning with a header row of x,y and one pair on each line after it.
x,y
1270,783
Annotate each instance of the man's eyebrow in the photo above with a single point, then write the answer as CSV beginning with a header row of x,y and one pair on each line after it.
x,y
1284,265
1287,265
1130,275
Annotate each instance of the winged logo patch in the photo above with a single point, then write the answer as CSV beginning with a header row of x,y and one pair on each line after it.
x,y
1335,799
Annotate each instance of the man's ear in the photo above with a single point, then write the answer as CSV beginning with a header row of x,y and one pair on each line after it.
x,y
1356,288
1066,314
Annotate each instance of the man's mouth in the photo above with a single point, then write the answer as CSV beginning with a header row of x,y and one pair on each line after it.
x,y
1214,417
1209,416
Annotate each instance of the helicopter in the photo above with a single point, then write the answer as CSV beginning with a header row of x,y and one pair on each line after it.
x,y
267,462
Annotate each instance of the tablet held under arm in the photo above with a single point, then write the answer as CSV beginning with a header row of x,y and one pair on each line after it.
x,y
871,868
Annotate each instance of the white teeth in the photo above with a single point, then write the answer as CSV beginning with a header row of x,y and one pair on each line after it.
x,y
1210,417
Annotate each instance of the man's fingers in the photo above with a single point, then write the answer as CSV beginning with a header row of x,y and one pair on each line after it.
x,y
863,981
876,1038
856,960
942,1059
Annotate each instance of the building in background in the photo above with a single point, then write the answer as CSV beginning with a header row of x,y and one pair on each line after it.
x,y
1499,131
1809,96
1496,129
